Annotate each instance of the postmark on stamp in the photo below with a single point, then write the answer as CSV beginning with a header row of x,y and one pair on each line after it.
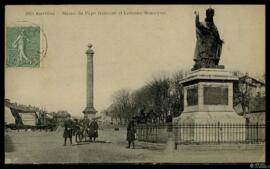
x,y
23,46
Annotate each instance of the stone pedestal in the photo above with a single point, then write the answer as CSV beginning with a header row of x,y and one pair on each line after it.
x,y
208,100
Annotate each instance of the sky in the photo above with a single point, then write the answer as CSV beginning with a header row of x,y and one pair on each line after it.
x,y
129,49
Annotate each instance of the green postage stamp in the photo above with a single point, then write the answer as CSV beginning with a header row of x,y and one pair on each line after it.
x,y
23,46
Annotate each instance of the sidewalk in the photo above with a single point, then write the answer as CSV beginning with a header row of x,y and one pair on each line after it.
x,y
215,147
219,153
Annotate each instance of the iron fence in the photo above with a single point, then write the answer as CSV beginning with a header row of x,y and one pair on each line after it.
x,y
152,133
211,133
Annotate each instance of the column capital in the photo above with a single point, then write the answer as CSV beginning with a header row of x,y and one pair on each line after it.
x,y
90,51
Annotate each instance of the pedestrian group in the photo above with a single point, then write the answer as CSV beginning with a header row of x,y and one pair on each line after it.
x,y
89,128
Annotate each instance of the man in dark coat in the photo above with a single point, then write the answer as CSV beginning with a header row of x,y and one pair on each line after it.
x,y
77,130
85,129
93,130
68,130
131,131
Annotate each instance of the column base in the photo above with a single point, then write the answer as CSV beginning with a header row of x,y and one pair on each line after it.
x,y
90,112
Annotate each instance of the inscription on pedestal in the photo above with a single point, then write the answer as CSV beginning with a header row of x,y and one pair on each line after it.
x,y
192,96
215,95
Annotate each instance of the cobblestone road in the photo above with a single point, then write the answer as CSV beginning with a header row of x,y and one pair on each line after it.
x,y
47,147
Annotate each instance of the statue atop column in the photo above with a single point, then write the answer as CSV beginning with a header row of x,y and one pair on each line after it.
x,y
89,50
208,45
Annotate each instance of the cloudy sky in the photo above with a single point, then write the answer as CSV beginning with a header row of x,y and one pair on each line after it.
x,y
129,49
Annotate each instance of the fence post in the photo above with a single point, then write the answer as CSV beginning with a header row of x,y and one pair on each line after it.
x,y
246,133
257,132
157,129
218,131
175,129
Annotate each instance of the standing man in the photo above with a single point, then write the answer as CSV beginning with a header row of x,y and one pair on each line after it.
x,y
68,130
76,131
93,130
131,131
85,122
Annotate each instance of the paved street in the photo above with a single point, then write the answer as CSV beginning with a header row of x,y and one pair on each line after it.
x,y
47,147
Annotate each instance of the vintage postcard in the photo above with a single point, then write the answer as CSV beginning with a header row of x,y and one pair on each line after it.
x,y
135,84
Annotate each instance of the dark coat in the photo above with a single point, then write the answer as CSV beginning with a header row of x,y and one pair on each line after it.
x,y
77,128
68,129
85,122
93,129
131,131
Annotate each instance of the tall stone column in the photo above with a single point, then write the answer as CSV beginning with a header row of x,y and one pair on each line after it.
x,y
90,111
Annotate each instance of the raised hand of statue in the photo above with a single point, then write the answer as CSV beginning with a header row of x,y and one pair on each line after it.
x,y
221,41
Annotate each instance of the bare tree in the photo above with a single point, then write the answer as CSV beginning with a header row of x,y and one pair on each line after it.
x,y
176,93
122,104
161,96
